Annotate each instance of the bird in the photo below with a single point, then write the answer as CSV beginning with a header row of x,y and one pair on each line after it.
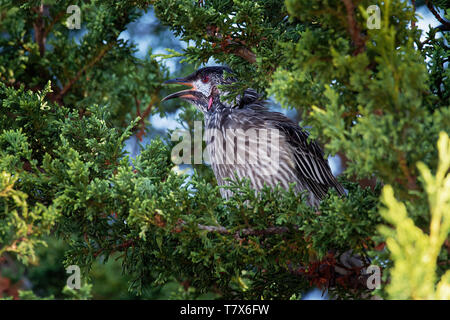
x,y
245,140
299,162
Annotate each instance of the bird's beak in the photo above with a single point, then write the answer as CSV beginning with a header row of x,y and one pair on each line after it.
x,y
187,94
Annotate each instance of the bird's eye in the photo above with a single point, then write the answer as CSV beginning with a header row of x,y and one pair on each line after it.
x,y
205,79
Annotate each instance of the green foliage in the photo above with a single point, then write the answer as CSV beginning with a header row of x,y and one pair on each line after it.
x,y
232,32
84,293
22,227
86,66
374,105
110,205
414,252
70,99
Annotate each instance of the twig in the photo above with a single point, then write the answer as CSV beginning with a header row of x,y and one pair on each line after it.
x,y
434,12
413,22
369,182
245,54
120,246
39,30
328,273
244,232
230,45
218,229
56,19
353,28
144,115
71,82
411,180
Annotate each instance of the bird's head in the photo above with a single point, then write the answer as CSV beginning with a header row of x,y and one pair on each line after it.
x,y
204,89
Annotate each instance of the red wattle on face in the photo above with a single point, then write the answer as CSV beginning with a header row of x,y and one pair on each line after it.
x,y
210,102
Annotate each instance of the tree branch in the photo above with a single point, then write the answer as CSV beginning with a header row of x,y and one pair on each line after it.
x,y
434,12
230,45
353,28
71,82
144,115
244,232
39,29
246,54
120,246
50,26
413,22
329,273
410,179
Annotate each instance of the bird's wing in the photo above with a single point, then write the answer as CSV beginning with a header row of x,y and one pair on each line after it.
x,y
308,156
250,95
310,164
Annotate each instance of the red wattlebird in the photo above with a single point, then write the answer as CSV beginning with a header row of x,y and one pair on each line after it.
x,y
274,149
242,136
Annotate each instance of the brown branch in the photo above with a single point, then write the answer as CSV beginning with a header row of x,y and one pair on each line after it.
x,y
230,45
244,232
150,105
434,12
50,26
353,28
411,180
144,115
27,166
413,22
218,229
246,54
39,29
72,81
138,106
120,246
369,182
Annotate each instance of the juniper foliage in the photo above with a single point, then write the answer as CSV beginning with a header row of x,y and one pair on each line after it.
x,y
69,99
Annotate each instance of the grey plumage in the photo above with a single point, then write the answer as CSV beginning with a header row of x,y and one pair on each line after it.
x,y
299,161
